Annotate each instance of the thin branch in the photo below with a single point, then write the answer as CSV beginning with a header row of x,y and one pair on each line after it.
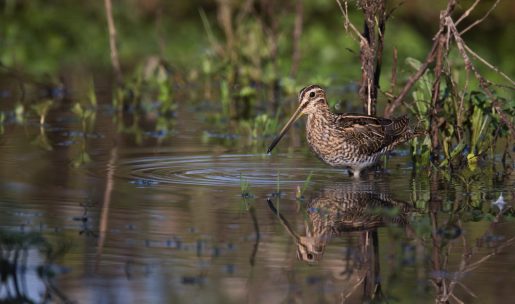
x,y
480,20
467,12
388,111
352,289
471,52
470,292
348,24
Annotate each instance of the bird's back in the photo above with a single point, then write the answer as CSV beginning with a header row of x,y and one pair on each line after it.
x,y
355,140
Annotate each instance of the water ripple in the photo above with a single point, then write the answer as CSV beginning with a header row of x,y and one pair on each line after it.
x,y
223,170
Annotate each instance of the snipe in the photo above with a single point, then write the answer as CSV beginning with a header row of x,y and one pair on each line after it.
x,y
339,209
352,141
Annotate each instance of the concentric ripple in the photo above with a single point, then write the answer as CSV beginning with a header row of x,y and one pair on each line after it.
x,y
222,170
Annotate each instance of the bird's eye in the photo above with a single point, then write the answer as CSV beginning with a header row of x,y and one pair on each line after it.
x,y
312,94
310,256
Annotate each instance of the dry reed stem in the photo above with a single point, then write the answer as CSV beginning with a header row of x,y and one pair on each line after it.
x,y
112,40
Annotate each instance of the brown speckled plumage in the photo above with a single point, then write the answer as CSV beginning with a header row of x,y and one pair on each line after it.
x,y
354,141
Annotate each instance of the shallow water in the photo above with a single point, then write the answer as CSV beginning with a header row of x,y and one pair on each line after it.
x,y
171,219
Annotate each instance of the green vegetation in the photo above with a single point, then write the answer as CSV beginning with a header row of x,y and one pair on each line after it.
x,y
248,60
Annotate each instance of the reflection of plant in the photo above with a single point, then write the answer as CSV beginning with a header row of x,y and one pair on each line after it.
x,y
148,90
300,191
15,268
146,96
245,188
421,146
86,111
41,108
442,209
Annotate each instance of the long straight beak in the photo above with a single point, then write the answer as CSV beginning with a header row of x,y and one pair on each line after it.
x,y
290,122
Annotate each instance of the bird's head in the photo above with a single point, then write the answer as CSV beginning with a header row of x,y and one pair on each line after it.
x,y
311,99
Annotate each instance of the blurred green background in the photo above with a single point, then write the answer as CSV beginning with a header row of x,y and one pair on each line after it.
x,y
48,37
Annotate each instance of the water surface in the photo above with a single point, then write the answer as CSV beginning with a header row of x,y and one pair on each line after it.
x,y
147,216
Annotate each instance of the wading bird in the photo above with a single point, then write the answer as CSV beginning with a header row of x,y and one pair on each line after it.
x,y
354,141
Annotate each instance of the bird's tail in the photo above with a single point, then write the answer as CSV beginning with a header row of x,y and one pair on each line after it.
x,y
416,131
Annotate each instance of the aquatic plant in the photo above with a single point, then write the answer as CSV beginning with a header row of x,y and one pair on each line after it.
x,y
299,194
42,108
245,188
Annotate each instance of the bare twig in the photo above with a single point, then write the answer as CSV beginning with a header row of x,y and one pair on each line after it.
x,y
470,292
353,288
480,20
467,12
388,111
489,64
112,40
348,24
457,299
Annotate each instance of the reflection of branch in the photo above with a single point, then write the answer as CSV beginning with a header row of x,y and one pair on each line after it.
x,y
252,211
446,288
107,201
353,288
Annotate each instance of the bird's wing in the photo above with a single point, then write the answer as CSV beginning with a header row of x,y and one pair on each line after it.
x,y
370,134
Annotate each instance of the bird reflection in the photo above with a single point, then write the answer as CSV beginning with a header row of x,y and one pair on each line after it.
x,y
340,208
